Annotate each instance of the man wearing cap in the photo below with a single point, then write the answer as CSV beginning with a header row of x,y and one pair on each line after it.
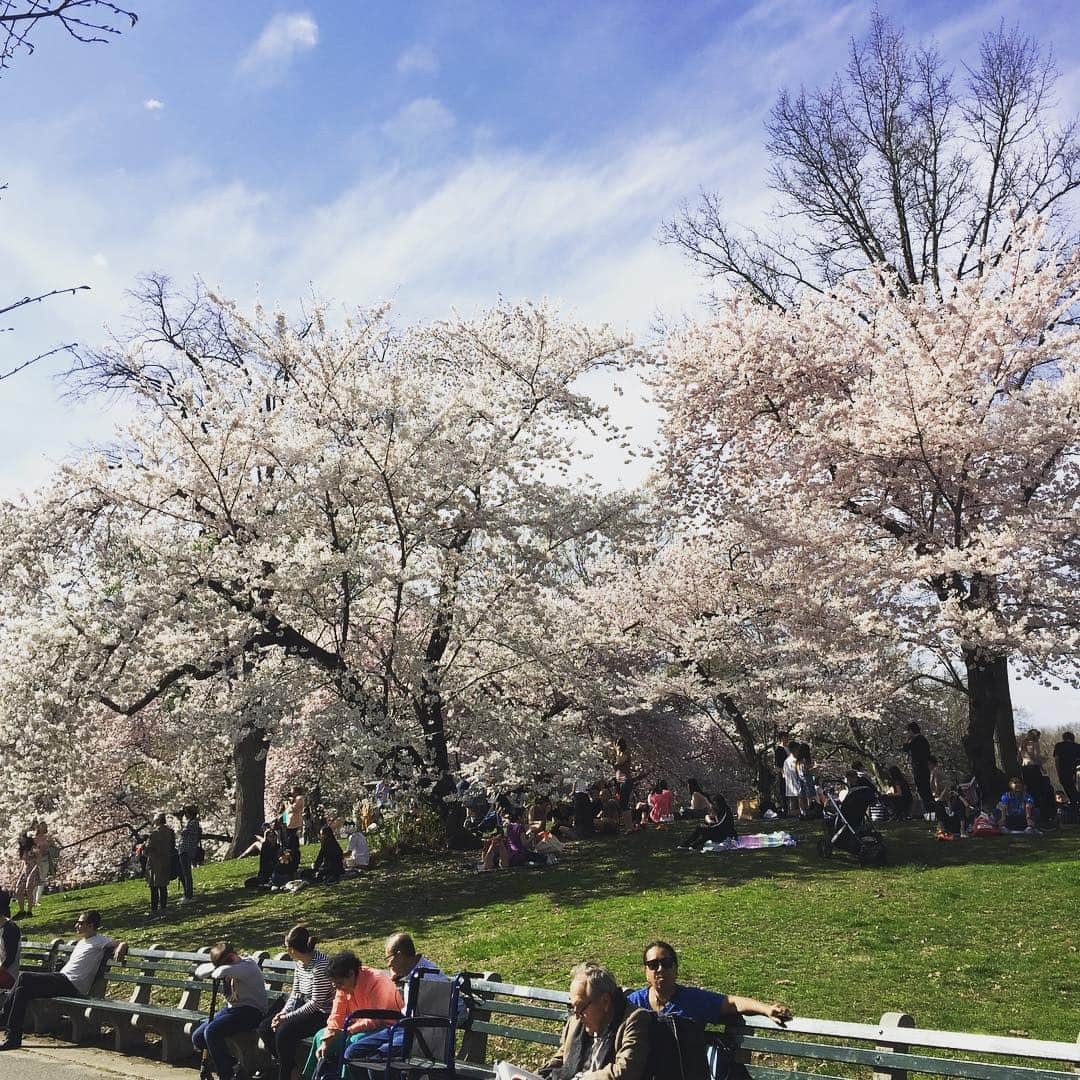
x,y
74,979
10,943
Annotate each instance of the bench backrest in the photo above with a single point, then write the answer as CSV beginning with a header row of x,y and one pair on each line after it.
x,y
890,1049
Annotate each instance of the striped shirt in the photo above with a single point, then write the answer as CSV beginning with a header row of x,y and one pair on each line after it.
x,y
312,990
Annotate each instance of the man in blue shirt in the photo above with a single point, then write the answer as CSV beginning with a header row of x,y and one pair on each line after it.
x,y
665,996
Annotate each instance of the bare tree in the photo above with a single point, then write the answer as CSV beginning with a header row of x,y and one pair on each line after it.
x,y
902,161
88,21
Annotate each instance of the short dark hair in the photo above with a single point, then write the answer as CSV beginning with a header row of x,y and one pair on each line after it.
x,y
1068,736
93,917
914,728
301,939
669,949
343,964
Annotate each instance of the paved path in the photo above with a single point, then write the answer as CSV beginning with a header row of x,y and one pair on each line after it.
x,y
47,1059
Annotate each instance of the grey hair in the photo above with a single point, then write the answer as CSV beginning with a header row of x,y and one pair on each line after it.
x,y
598,980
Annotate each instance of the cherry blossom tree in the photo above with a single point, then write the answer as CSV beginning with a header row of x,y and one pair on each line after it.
x,y
375,517
920,444
740,641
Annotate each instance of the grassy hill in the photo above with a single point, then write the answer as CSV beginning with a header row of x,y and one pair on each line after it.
x,y
976,935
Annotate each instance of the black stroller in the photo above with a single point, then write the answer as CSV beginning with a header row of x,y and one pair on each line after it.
x,y
847,827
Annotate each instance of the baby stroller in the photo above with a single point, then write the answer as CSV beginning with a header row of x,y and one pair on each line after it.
x,y
848,827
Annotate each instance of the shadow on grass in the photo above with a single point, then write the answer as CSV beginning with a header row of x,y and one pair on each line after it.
x,y
424,893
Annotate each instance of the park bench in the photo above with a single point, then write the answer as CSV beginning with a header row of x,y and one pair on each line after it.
x,y
151,991
524,1017
39,955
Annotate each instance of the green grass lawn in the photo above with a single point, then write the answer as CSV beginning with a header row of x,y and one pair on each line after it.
x,y
980,935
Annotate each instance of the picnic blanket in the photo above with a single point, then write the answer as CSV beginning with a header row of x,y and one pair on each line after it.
x,y
756,840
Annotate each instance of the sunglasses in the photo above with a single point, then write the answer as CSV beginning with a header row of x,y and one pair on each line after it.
x,y
664,962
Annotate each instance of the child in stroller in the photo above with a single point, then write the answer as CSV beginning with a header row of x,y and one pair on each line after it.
x,y
847,826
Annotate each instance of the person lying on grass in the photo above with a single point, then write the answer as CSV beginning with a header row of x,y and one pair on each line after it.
x,y
665,995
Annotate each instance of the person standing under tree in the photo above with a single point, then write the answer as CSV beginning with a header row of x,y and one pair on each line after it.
x,y
918,750
191,837
159,850
1066,759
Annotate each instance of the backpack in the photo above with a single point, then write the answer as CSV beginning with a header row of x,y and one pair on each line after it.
x,y
676,1049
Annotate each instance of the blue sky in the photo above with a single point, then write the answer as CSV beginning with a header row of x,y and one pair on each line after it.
x,y
438,155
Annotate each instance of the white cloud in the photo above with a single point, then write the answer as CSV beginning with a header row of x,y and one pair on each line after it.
x,y
153,105
418,60
421,120
283,38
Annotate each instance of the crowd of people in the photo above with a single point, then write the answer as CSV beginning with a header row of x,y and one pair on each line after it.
x,y
956,806
606,1028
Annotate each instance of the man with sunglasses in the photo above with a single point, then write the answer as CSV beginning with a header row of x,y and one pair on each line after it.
x,y
605,1037
74,979
665,996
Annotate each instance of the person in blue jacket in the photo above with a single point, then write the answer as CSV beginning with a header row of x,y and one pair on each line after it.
x,y
666,996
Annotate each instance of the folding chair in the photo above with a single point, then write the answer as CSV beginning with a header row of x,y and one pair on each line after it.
x,y
421,1041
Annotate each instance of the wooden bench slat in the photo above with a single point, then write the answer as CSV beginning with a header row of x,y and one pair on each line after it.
x,y
514,1008
944,1040
540,993
885,1059
548,1038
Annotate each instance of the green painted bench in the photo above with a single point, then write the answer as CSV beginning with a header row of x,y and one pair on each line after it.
x,y
151,991
523,1017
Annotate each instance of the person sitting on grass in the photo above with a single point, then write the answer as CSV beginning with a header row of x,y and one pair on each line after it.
x,y
719,826
899,797
609,815
699,806
519,845
329,865
665,995
74,979
358,853
267,846
245,1006
356,987
661,803
284,870
306,1009
1016,808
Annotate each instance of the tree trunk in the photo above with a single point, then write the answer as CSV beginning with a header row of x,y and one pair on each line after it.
x,y
989,716
755,759
249,762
